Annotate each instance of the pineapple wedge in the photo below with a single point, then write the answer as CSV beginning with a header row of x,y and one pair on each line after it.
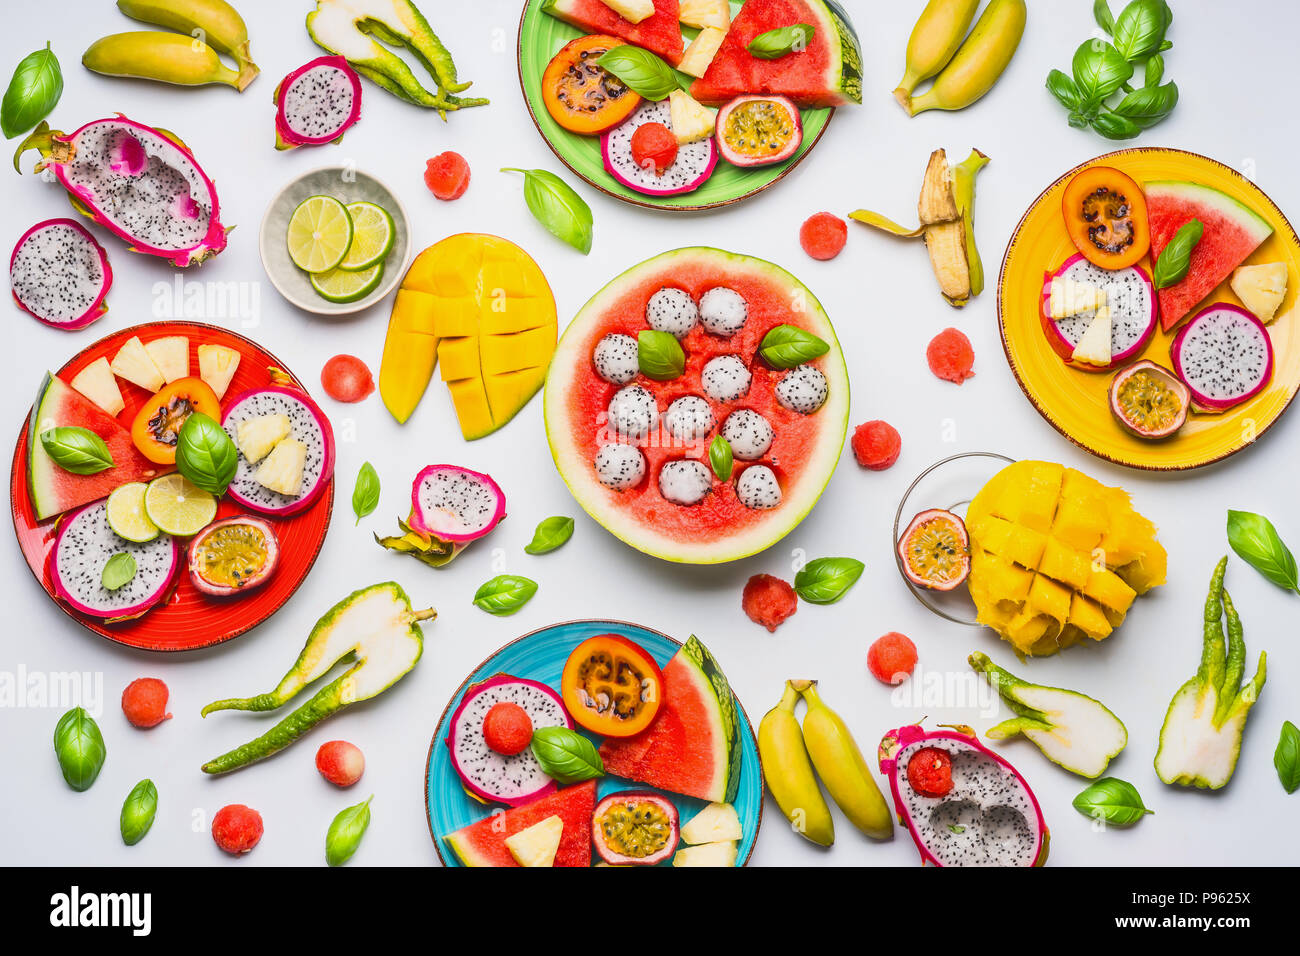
x,y
96,382
690,120
707,854
698,56
281,471
257,436
217,366
633,11
1067,298
537,845
705,13
1094,345
171,354
132,362
718,822
1261,288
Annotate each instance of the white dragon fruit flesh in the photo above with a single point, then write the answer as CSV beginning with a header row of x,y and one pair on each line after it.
x,y
748,433
685,482
758,489
455,504
803,390
615,358
977,812
723,311
85,543
307,424
673,311
689,418
60,275
633,412
619,466
316,103
725,378
1224,356
687,172
1130,298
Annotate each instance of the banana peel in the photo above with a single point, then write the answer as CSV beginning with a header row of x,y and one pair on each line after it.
x,y
946,210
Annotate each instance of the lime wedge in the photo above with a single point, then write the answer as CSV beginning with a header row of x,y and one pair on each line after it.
x,y
340,285
178,506
126,514
372,236
320,231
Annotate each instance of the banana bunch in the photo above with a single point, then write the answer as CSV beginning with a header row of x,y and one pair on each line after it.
x,y
965,70
185,58
790,756
946,210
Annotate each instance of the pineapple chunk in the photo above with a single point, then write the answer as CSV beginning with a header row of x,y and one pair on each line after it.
x,y
1093,347
698,56
707,854
217,366
537,845
1261,288
1067,297
718,822
257,436
281,471
171,354
96,382
705,13
690,120
633,11
132,362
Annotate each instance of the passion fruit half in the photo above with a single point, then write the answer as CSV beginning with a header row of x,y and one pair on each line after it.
x,y
1149,401
935,550
758,130
233,556
635,827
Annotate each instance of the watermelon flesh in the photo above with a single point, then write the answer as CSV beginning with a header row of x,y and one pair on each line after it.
x,y
484,843
1232,232
659,33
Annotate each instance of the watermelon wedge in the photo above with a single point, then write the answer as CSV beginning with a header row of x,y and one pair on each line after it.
x,y
484,843
827,73
659,33
693,745
54,490
1232,232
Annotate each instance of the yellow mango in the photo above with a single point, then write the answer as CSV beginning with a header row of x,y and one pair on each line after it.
x,y
1065,564
1028,628
1088,618
458,358
1009,582
1110,591
509,392
410,354
989,533
455,315
472,409
1048,597
510,353
1147,571
1038,504
1025,546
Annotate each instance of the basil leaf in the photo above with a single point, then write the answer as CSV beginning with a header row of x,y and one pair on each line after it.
x,y
79,746
205,454
118,571
786,346
1101,13
721,458
550,534
505,594
1149,105
825,580
1099,70
1177,256
1141,27
1257,543
1063,88
659,355
1155,71
1113,126
642,71
779,42
1287,757
566,756
556,206
76,449
1113,800
346,831
33,91
138,811
365,494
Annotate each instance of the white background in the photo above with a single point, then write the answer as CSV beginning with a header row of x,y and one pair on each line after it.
x,y
1235,107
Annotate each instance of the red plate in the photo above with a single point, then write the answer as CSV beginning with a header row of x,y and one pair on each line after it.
x,y
189,619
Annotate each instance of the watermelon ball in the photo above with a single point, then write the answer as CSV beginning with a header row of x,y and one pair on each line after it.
x,y
930,772
340,762
145,702
950,356
507,728
654,147
768,601
891,658
823,235
876,445
237,828
346,378
447,175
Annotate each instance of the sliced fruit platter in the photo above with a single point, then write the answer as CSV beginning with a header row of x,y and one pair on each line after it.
x,y
172,485
685,104
595,741
1145,307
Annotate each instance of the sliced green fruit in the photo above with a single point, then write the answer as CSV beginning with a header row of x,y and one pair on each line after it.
x,y
126,513
320,232
373,234
178,506
340,285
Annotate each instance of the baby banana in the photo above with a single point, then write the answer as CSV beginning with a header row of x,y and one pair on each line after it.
x,y
154,55
935,38
978,63
789,773
213,22
841,766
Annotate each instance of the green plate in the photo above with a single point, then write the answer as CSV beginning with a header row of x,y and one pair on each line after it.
x,y
542,36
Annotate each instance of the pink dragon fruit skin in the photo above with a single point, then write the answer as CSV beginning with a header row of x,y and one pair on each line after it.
x,y
308,424
897,747
52,274
1134,316
317,103
454,504
1207,346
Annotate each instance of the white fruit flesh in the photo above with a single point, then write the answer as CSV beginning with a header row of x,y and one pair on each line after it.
x,y
1094,346
707,854
133,363
1193,751
97,383
281,471
1084,736
217,366
698,56
633,11
257,436
537,845
718,822
705,13
1261,288
1068,297
690,120
171,354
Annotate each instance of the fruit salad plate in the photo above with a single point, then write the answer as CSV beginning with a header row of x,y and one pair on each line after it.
x,y
538,660
1078,403
182,617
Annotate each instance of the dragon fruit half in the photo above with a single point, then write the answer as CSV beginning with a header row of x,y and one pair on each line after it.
x,y
1224,356
316,103
139,182
1130,297
307,424
83,546
455,504
60,274
963,804
693,165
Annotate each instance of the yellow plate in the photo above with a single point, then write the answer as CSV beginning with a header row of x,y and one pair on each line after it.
x,y
1074,402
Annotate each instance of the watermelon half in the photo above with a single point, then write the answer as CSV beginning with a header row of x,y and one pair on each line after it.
x,y
659,33
803,454
484,843
1232,232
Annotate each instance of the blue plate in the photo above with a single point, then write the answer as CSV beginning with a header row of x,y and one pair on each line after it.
x,y
540,656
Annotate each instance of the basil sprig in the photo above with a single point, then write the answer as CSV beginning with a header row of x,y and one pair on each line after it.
x,y
138,812
365,494
205,454
1257,543
1177,256
1141,27
550,534
1287,757
76,449
346,831
1115,801
785,346
33,91
566,756
644,73
659,355
79,746
505,594
118,571
721,458
826,580
556,206
782,41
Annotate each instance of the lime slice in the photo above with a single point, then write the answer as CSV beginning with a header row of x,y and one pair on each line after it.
x,y
373,233
126,514
320,231
178,506
340,285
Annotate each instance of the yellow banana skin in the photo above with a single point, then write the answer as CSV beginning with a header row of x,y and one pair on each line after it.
x,y
214,22
935,38
153,55
789,773
841,766
978,63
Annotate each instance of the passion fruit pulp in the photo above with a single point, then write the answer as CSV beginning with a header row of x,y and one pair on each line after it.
x,y
935,550
635,827
233,556
1149,401
758,130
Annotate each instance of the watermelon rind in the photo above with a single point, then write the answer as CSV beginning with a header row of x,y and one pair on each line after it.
x,y
714,688
846,76
40,467
1245,217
